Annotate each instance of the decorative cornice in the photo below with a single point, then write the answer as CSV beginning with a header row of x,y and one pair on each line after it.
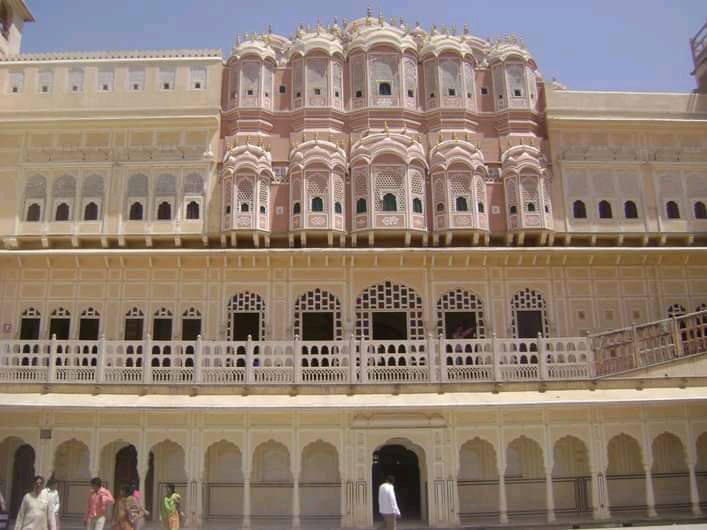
x,y
116,55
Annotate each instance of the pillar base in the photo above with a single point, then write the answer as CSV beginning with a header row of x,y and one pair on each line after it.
x,y
503,518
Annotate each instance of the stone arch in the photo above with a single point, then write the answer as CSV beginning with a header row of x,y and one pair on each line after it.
x,y
387,296
625,477
526,302
166,464
223,469
669,471
460,302
321,301
17,467
271,481
72,471
320,481
242,303
701,464
524,470
571,473
477,479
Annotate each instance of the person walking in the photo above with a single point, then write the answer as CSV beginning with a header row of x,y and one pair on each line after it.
x,y
53,498
388,504
134,492
98,502
34,510
171,509
127,511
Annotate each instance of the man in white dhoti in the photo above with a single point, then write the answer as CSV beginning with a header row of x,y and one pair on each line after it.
x,y
34,510
388,504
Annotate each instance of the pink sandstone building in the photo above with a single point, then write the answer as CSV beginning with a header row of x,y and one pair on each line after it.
x,y
368,248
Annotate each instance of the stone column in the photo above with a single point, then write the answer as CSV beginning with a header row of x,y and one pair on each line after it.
x,y
502,500
246,503
694,490
600,497
650,495
296,523
549,495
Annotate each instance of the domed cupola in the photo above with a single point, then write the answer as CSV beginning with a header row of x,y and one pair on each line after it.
x,y
316,57
514,75
448,66
527,183
459,199
317,174
383,63
251,71
388,185
247,177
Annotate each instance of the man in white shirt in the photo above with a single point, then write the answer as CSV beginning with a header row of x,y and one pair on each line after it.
x,y
387,504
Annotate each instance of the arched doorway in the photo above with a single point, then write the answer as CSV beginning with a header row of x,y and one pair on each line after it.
x,y
125,471
404,466
22,475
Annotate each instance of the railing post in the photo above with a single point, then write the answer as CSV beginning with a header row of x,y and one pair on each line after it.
x,y
51,375
249,379
364,361
441,356
677,338
635,346
197,360
496,364
298,361
352,360
431,358
542,365
101,361
147,360
592,371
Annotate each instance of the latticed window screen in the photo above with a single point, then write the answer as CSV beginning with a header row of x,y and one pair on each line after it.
x,y
390,179
296,190
529,194
92,187
167,78
384,68
134,312
163,312
251,79
317,187
357,77
193,184
245,302
431,80
76,80
244,192
166,186
480,185
338,77
267,80
31,312
410,72
516,80
438,192
36,187
45,81
137,186
532,84
360,178
511,193
529,300
417,185
105,80
339,189
191,312
459,301
460,186
17,82
389,296
90,313
318,301
676,310
264,194
469,82
498,86
317,76
297,77
61,312
451,77
64,187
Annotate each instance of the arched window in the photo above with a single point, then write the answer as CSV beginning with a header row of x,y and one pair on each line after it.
x,y
338,208
630,210
579,210
390,203
672,210
296,208
33,212
417,205
62,212
530,207
440,206
700,210
480,206
164,211
245,207
317,204
193,210
262,209
462,205
135,211
513,209
361,206
384,89
604,210
90,212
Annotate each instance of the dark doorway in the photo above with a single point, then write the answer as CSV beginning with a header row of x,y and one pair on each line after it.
x,y
245,324
88,328
29,329
317,326
390,325
125,468
22,475
191,328
59,327
149,493
529,323
403,465
162,329
460,325
133,328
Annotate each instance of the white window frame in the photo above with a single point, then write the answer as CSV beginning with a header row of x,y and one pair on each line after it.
x,y
70,85
132,82
172,84
100,83
197,199
145,210
12,76
203,81
56,202
99,203
28,203
173,212
50,85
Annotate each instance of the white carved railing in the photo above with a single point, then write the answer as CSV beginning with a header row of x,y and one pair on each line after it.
x,y
649,343
294,362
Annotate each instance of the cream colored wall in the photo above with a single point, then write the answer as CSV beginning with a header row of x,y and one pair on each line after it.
x,y
579,298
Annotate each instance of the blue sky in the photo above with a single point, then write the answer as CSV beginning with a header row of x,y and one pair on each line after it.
x,y
601,45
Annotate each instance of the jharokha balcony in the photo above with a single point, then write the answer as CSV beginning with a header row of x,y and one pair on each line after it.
x,y
354,361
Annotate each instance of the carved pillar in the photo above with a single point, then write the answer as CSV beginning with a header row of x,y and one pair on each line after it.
x,y
549,495
296,523
502,501
694,490
598,466
650,495
246,503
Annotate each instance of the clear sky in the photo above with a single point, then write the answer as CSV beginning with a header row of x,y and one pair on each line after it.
x,y
638,45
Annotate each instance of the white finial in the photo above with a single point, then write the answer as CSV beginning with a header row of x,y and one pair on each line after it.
x,y
466,29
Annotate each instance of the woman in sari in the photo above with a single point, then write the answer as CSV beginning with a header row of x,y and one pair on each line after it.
x,y
170,509
127,511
